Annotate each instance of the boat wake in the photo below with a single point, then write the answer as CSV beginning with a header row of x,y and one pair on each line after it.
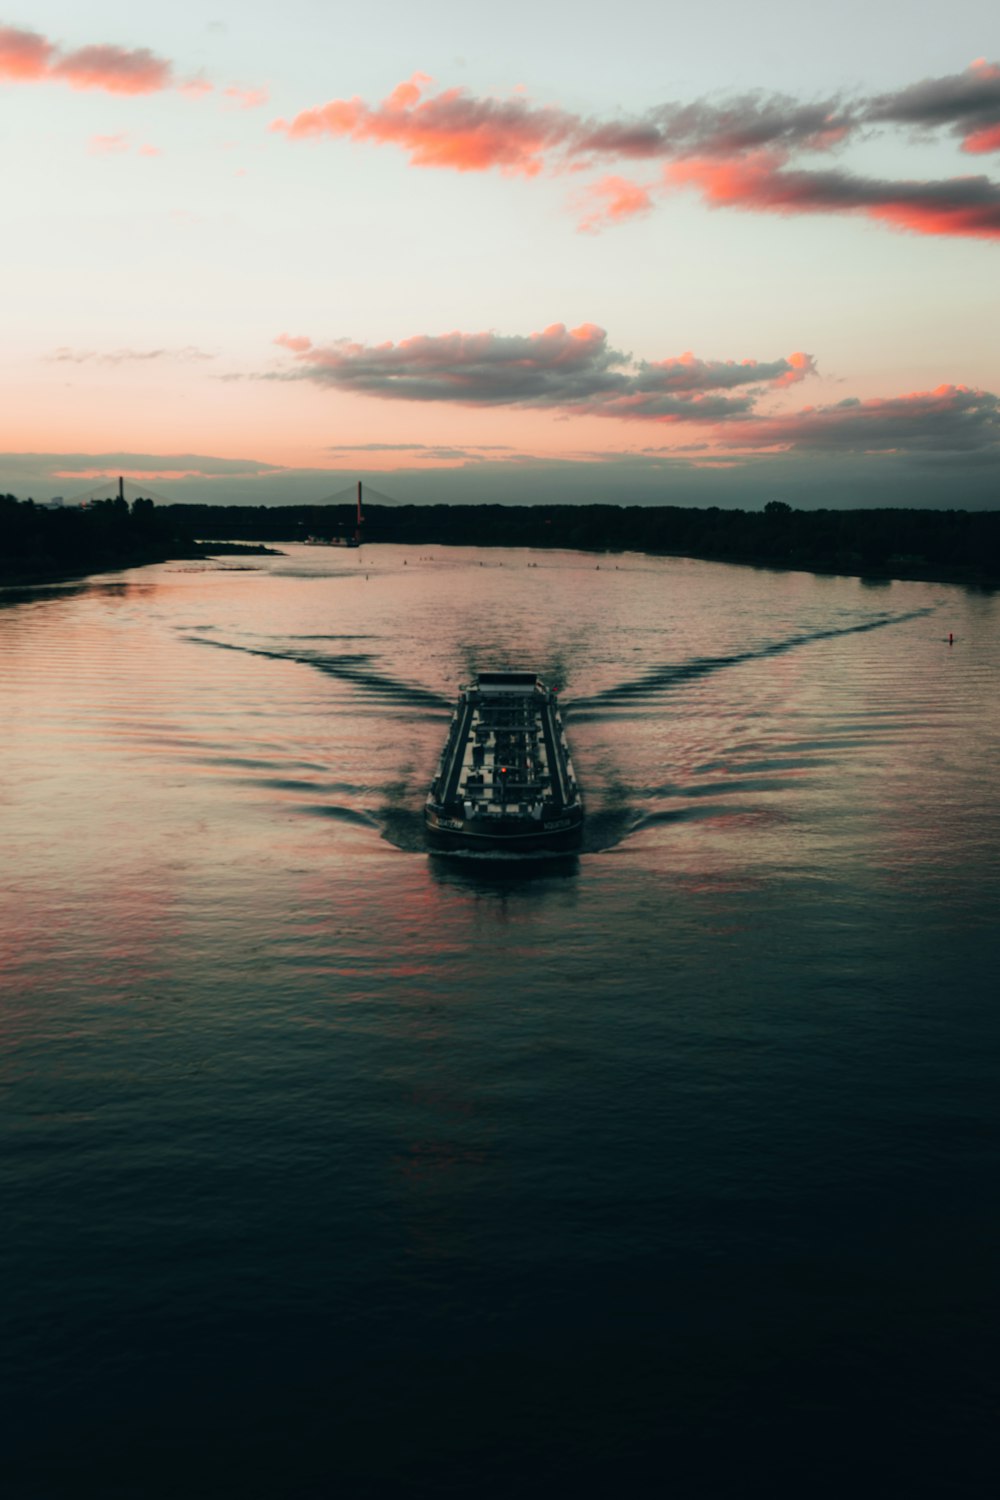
x,y
719,784
354,668
669,675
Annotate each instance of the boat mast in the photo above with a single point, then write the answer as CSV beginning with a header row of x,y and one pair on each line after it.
x,y
357,530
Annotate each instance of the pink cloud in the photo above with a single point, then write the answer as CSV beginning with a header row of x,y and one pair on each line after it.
x,y
196,88
454,129
298,343
24,55
612,200
114,69
116,145
687,372
966,104
962,206
951,418
108,145
802,365
984,128
750,122
577,373
29,57
738,152
571,370
450,129
246,98
987,139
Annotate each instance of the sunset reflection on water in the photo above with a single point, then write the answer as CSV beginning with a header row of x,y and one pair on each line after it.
x,y
330,1135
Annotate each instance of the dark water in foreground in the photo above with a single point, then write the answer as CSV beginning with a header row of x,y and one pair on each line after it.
x,y
332,1168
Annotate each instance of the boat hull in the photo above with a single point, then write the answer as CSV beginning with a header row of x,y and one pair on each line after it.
x,y
516,836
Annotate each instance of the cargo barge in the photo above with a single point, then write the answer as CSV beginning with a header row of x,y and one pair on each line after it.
x,y
505,779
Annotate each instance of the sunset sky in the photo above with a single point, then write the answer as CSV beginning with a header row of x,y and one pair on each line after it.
x,y
641,253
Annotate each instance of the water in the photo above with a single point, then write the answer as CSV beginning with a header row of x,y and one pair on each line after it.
x,y
335,1168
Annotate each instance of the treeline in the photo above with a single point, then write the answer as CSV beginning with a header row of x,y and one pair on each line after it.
x,y
67,541
37,541
889,542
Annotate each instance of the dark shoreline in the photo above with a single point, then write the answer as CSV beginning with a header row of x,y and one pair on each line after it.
x,y
961,576
39,545
33,576
945,546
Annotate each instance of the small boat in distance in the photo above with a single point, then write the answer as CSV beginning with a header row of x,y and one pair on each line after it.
x,y
505,779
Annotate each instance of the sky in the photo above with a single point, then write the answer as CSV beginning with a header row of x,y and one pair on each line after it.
x,y
648,253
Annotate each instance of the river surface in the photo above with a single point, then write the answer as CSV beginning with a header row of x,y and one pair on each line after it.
x,y
333,1167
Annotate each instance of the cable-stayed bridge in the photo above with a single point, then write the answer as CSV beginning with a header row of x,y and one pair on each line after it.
x,y
118,487
351,493
355,495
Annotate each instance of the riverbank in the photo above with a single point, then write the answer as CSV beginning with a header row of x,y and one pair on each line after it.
x,y
899,573
954,546
946,546
37,572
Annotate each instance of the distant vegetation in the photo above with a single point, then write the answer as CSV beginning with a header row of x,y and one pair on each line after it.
x,y
66,541
951,544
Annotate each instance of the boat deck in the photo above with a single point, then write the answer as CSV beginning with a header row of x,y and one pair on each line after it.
x,y
506,761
